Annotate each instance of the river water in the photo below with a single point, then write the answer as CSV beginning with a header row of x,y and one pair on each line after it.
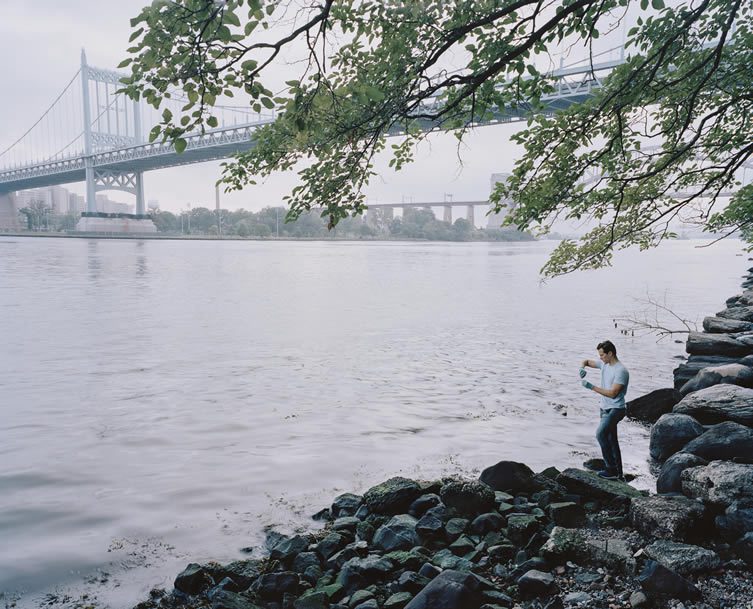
x,y
163,401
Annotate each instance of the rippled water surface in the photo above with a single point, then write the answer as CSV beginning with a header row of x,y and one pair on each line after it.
x,y
163,401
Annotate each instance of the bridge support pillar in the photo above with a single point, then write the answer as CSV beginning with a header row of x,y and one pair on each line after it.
x,y
140,207
9,212
448,214
470,217
91,188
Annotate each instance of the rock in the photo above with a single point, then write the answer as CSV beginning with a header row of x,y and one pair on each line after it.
x,y
448,590
469,497
312,599
224,599
724,325
667,517
423,504
613,554
535,583
726,440
330,545
289,547
347,524
194,579
683,558
736,520
521,527
359,596
398,600
411,581
346,504
242,573
671,433
577,598
398,534
393,496
509,476
486,523
721,402
669,478
358,572
638,600
585,483
651,406
563,545
305,560
700,343
736,312
455,528
567,514
720,482
429,526
272,586
372,603
695,363
657,580
744,548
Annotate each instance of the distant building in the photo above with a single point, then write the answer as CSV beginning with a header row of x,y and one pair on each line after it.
x,y
495,220
61,201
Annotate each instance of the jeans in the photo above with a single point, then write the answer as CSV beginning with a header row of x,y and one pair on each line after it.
x,y
606,434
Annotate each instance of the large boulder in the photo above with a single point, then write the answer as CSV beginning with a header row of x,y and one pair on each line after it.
x,y
669,480
194,579
671,433
448,590
736,521
393,496
720,482
700,343
509,476
469,497
744,548
737,312
721,402
667,517
728,440
724,325
683,558
651,406
588,484
695,363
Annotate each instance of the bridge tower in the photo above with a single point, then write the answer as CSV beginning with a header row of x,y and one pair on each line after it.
x,y
114,125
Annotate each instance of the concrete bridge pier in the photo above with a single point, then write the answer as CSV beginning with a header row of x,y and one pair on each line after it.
x,y
9,211
448,214
469,216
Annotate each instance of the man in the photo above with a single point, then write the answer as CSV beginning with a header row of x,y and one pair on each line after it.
x,y
614,384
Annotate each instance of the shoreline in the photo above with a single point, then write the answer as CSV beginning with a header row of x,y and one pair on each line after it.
x,y
516,539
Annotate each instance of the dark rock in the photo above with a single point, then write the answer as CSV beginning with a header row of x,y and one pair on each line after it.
x,y
312,599
412,582
194,579
272,586
365,531
449,590
347,524
486,523
496,599
455,527
398,534
346,504
563,545
667,517
721,402
509,476
744,548
567,514
224,599
671,433
657,580
669,478
289,547
720,483
683,558
536,563
695,363
398,600
736,520
638,600
461,546
330,545
424,503
323,514
305,560
726,440
520,527
369,604
700,343
241,572
468,497
589,484
737,312
393,496
337,560
651,406
361,572
725,325
359,596
429,571
429,526
536,583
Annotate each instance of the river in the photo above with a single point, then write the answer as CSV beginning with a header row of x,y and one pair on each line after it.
x,y
163,401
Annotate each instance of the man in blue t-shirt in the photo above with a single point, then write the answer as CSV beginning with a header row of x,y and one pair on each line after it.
x,y
614,384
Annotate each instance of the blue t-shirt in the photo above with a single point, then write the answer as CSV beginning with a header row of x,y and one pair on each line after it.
x,y
611,374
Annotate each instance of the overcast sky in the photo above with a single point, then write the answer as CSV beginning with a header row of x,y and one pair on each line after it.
x,y
41,41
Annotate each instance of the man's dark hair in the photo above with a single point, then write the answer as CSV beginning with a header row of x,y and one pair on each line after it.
x,y
607,347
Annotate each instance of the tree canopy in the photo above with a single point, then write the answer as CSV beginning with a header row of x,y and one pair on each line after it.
x,y
666,134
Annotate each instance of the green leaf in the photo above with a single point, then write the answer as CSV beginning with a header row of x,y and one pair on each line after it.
x,y
644,5
212,121
125,63
657,4
135,34
180,145
268,103
250,27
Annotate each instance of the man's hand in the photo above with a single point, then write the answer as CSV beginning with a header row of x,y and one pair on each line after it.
x,y
582,372
587,385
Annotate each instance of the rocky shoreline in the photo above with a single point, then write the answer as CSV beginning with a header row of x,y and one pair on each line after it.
x,y
548,540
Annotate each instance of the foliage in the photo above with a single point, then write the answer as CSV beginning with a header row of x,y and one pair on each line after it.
x,y
676,117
